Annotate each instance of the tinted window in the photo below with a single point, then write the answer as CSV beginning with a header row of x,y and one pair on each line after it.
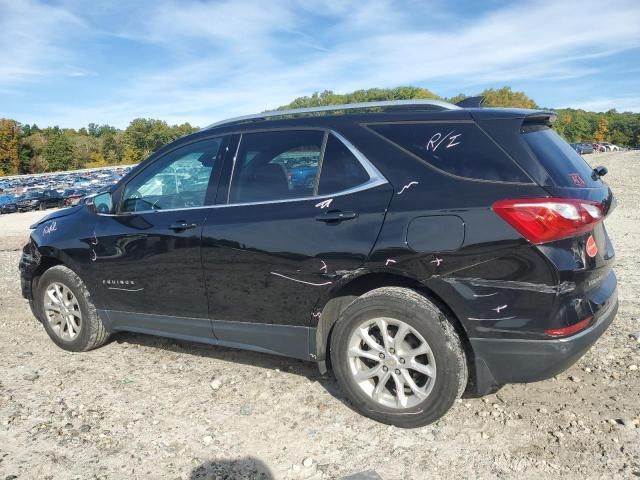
x,y
564,165
178,180
461,149
341,170
276,166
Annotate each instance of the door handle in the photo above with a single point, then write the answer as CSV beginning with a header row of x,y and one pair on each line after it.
x,y
336,216
180,226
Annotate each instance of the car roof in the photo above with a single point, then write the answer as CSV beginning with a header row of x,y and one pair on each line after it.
x,y
361,112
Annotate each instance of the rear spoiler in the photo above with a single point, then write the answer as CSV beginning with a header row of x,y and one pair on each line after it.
x,y
471,102
540,118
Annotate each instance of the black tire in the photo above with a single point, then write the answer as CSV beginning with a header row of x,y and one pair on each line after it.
x,y
93,333
419,313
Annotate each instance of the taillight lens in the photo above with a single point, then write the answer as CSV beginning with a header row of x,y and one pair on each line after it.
x,y
542,220
571,329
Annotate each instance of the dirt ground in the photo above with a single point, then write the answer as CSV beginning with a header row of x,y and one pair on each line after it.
x,y
151,408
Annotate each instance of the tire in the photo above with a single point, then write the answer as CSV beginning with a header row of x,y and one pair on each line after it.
x,y
423,323
86,331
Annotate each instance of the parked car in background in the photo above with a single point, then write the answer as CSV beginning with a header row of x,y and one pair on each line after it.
x,y
40,200
74,197
302,176
610,147
8,204
586,148
582,148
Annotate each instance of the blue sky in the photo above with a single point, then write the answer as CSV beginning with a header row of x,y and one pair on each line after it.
x,y
72,62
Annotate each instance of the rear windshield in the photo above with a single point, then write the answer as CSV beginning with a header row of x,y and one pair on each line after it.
x,y
564,165
460,149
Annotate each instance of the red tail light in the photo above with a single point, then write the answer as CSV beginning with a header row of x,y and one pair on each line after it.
x,y
571,329
541,220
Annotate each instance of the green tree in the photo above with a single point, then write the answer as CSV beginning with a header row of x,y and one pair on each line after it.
x,y
601,133
327,97
58,154
36,143
10,133
505,97
144,136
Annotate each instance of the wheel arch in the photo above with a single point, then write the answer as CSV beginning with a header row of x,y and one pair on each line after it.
x,y
49,258
341,298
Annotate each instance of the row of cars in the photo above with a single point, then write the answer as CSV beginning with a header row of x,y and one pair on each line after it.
x,y
583,148
39,192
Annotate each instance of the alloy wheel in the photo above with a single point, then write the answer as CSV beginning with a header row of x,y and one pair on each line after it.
x,y
62,311
391,362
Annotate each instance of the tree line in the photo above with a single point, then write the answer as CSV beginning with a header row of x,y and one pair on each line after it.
x,y
31,149
27,148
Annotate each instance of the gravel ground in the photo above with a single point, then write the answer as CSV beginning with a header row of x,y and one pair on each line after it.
x,y
144,407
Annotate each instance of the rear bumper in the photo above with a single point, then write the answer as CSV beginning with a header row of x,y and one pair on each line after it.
x,y
501,361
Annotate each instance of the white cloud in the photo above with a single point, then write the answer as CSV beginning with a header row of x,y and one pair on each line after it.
x,y
235,57
600,104
34,38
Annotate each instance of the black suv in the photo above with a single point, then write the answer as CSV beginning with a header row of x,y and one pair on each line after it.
x,y
438,249
41,200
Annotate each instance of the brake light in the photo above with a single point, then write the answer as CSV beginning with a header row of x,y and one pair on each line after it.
x,y
571,329
542,220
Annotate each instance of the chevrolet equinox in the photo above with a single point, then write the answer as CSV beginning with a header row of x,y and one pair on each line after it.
x,y
417,248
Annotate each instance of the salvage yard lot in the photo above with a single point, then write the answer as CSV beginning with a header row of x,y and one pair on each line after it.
x,y
144,407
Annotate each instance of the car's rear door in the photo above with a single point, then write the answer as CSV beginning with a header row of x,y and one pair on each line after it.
x,y
273,246
147,255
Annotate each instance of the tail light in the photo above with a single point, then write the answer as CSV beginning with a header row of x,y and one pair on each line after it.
x,y
571,329
542,220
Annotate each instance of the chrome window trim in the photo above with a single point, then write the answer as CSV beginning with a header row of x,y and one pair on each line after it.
x,y
375,180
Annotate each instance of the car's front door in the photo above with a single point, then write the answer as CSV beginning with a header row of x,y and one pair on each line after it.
x,y
147,255
275,244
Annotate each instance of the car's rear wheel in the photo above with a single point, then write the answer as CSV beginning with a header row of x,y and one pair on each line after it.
x,y
63,305
398,358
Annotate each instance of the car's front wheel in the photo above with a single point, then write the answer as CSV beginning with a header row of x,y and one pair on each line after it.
x,y
64,306
398,358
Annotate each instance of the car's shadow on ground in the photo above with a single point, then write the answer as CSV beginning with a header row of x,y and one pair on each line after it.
x,y
247,467
246,357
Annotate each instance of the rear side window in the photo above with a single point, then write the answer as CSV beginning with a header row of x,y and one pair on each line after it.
x,y
564,165
276,165
460,149
341,170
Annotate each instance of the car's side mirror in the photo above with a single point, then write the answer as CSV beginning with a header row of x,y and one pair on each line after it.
x,y
101,203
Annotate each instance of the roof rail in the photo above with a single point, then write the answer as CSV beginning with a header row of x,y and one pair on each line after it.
x,y
409,104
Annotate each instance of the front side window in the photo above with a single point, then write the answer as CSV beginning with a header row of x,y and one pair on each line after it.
x,y
276,165
178,180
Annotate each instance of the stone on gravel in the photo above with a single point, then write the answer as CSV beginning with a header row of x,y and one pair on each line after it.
x,y
307,462
215,384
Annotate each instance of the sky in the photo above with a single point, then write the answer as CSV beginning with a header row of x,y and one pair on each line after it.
x,y
72,62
